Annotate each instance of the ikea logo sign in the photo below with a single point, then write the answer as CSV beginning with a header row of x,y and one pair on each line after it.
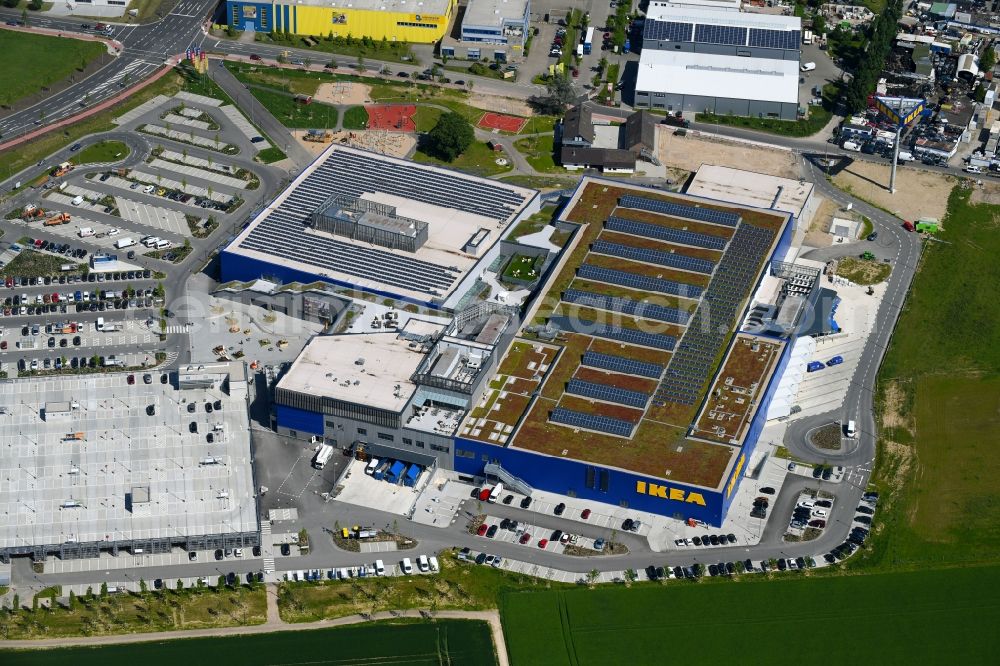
x,y
667,493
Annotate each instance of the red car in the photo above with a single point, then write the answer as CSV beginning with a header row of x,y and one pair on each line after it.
x,y
819,524
525,538
482,528
254,56
542,543
131,379
484,494
585,514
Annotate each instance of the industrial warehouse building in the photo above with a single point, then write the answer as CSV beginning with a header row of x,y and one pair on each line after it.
x,y
92,465
728,63
414,21
491,29
568,402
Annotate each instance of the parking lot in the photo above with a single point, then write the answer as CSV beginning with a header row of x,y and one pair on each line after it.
x,y
161,219
364,490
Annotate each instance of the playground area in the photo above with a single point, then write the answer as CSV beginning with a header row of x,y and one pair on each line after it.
x,y
343,92
394,144
501,122
392,117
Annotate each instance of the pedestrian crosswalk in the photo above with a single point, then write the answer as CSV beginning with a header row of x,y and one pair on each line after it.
x,y
267,548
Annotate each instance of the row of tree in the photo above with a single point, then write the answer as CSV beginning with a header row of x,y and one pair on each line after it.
x,y
869,67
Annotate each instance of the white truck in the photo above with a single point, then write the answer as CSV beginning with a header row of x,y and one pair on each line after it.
x,y
122,243
807,37
106,327
495,493
323,455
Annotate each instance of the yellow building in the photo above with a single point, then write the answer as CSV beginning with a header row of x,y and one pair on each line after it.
x,y
414,21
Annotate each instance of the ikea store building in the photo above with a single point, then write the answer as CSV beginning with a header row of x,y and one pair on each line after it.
x,y
414,21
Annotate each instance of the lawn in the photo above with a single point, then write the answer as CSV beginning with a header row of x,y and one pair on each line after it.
x,y
459,585
863,271
271,155
34,62
356,117
538,151
478,159
939,405
522,267
126,613
293,114
817,119
940,621
397,642
29,263
102,151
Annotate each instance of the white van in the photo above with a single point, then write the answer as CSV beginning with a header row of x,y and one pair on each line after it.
x,y
808,66
851,429
407,566
372,466
434,563
495,493
124,242
77,200
151,241
379,568
162,244
423,564
852,145
85,232
904,156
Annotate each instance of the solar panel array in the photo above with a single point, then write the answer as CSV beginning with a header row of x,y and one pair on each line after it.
x,y
775,39
709,328
658,257
607,393
680,210
592,422
628,335
622,364
666,234
636,281
720,34
667,31
281,232
626,306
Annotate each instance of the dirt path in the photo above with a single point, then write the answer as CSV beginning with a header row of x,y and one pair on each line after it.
x,y
274,623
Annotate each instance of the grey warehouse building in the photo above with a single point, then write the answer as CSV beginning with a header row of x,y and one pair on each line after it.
x,y
491,29
723,62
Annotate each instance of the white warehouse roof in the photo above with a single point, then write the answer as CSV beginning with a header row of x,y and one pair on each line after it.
x,y
710,75
711,16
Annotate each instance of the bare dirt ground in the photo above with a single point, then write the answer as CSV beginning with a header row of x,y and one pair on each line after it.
x,y
818,234
988,192
394,144
691,151
918,193
498,104
343,93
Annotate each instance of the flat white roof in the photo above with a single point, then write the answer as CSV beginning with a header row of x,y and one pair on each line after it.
x,y
329,367
749,188
429,7
710,75
493,12
688,14
657,6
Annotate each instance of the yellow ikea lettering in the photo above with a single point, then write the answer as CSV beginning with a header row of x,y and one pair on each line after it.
x,y
665,492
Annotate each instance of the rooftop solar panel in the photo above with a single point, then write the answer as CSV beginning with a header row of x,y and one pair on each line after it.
x,y
626,306
699,213
592,422
658,257
628,335
720,34
667,234
667,31
775,39
621,364
636,281
607,393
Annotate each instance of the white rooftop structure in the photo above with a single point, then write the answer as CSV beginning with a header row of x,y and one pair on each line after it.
x,y
494,12
372,369
749,188
710,75
656,7
705,13
122,465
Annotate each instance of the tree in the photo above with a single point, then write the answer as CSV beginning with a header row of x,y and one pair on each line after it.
x,y
630,576
819,24
104,589
16,603
180,584
558,95
450,136
72,600
142,587
740,567
988,60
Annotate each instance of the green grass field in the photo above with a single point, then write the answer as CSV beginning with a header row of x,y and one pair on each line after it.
x,y
102,151
520,267
29,263
939,398
34,62
477,159
356,117
292,114
439,642
925,617
538,151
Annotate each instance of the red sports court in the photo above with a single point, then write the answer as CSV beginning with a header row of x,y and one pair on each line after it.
x,y
504,123
396,117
